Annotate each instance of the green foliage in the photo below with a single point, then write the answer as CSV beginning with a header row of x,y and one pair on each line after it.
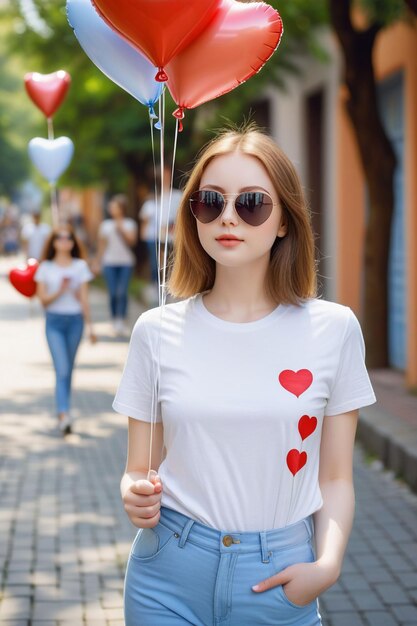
x,y
14,122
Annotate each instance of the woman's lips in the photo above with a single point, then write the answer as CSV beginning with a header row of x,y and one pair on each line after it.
x,y
228,241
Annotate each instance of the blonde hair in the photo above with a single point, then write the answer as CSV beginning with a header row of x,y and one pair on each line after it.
x,y
291,277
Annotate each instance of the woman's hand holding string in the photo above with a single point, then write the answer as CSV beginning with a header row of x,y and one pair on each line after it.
x,y
142,502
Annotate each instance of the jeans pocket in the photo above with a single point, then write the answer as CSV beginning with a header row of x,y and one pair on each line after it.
x,y
302,553
286,599
150,542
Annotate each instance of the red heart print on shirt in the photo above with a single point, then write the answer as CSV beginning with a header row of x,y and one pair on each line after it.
x,y
296,382
296,460
306,426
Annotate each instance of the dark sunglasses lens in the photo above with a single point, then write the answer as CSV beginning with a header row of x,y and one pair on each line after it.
x,y
254,207
206,206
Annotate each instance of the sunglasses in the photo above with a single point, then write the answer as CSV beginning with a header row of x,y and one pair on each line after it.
x,y
253,207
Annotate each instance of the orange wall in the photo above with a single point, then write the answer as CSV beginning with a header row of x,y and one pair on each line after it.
x,y
396,49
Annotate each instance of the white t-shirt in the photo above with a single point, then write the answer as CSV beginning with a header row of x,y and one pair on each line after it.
x,y
53,274
117,251
35,235
150,209
242,406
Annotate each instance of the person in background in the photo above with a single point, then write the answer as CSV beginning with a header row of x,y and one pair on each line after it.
x,y
117,236
149,231
9,227
62,279
34,235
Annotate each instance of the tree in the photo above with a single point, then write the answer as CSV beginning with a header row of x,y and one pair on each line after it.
x,y
377,156
13,158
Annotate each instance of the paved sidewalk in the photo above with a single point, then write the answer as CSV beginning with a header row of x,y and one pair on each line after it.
x,y
388,429
64,537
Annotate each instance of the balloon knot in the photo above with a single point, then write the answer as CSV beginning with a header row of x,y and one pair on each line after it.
x,y
152,113
161,76
180,127
179,113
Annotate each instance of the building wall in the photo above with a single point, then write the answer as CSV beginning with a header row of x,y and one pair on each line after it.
x,y
396,50
288,129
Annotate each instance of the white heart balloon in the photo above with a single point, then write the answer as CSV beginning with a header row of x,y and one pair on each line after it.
x,y
51,156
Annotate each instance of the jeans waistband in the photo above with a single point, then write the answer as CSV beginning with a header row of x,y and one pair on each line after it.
x,y
223,541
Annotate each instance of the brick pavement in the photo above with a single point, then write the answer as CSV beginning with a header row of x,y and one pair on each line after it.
x,y
64,537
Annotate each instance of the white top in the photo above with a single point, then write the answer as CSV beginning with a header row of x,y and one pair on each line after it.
x,y
150,211
117,251
242,406
35,235
53,274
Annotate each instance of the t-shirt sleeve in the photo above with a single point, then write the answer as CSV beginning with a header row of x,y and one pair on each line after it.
x,y
351,387
136,393
41,273
85,274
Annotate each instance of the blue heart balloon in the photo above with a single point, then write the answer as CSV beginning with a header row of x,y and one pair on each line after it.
x,y
51,156
117,59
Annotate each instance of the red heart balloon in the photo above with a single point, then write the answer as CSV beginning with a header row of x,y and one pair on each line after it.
x,y
296,382
47,91
296,460
236,44
158,28
22,278
306,426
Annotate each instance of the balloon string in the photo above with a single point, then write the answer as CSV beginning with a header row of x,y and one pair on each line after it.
x,y
157,364
164,269
156,194
161,208
54,206
50,128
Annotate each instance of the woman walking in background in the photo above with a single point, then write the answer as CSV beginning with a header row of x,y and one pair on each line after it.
x,y
62,278
253,385
117,236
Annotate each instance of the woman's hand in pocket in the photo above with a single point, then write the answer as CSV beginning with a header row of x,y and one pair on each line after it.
x,y
302,583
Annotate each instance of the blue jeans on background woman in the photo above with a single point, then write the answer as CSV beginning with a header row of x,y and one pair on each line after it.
x,y
63,333
117,279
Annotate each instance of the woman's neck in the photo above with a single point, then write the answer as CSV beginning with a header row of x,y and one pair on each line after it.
x,y
239,294
62,258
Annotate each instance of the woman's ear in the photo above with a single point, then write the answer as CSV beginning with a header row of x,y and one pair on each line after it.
x,y
282,230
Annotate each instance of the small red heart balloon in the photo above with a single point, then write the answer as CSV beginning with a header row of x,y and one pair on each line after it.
x,y
296,460
158,28
234,46
47,91
22,278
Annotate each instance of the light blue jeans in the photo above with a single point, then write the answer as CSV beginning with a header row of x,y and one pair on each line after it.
x,y
117,279
183,572
63,333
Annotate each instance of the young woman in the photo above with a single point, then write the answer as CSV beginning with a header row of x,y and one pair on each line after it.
x,y
62,279
246,514
117,235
